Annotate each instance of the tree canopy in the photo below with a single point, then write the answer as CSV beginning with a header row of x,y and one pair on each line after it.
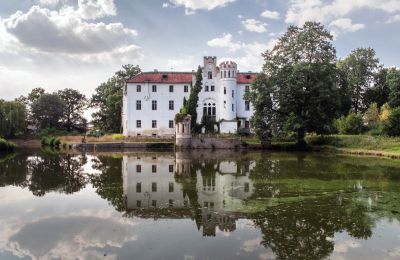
x,y
74,107
107,99
47,110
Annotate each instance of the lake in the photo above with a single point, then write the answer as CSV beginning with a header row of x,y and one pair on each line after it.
x,y
198,205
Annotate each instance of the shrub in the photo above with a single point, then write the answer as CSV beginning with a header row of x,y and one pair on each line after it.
x,y
392,125
50,141
117,136
351,124
6,145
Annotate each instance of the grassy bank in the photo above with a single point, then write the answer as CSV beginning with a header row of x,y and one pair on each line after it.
x,y
6,146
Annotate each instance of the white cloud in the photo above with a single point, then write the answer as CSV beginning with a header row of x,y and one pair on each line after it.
x,y
394,19
270,14
48,2
65,32
344,246
93,9
192,5
165,5
344,25
300,11
225,42
186,63
253,25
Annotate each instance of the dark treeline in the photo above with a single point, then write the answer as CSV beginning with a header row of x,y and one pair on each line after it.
x,y
303,88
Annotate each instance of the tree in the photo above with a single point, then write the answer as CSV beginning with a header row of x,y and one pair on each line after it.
x,y
12,118
264,112
47,111
74,106
302,74
194,99
371,116
379,92
360,67
392,125
108,99
393,81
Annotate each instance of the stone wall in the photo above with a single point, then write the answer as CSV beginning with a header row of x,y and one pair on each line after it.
x,y
212,142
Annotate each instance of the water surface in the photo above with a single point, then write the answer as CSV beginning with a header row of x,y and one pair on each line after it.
x,y
207,205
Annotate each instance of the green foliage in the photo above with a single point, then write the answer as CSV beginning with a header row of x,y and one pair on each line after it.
x,y
359,69
393,81
371,116
108,99
12,118
300,91
74,107
194,99
379,92
47,111
117,136
95,133
6,146
208,124
50,141
392,125
351,124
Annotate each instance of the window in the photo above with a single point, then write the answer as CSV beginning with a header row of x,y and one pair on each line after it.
x,y
171,187
206,89
138,105
154,88
171,168
138,203
154,123
247,88
171,88
154,203
224,103
247,124
154,168
210,75
138,88
229,73
185,203
138,123
154,105
186,88
247,105
233,93
171,123
164,76
224,90
154,187
171,105
233,107
138,168
248,77
212,88
225,74
221,74
139,187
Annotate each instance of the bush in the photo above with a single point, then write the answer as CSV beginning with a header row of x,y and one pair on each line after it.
x,y
117,136
392,125
6,145
50,141
351,124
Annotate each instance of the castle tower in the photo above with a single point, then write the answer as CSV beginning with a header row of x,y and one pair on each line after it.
x,y
228,90
183,135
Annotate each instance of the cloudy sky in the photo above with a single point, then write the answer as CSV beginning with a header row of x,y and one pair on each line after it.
x,y
80,43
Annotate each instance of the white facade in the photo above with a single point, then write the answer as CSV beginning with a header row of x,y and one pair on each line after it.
x,y
221,98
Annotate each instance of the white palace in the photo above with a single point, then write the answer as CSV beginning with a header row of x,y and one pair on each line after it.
x,y
151,99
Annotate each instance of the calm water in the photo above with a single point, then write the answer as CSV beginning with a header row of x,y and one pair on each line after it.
x,y
165,205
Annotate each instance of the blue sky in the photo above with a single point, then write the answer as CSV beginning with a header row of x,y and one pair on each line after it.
x,y
80,43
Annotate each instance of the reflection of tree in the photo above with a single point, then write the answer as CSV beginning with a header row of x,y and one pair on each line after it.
x,y
109,184
13,169
56,172
302,230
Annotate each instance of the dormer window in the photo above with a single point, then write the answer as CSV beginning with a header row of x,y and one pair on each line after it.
x,y
164,76
248,77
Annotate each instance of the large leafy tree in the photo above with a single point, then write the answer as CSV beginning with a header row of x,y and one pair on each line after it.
x,y
379,92
301,75
47,111
108,99
74,107
360,68
393,81
12,118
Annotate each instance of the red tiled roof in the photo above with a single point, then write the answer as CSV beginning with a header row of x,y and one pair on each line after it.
x,y
245,78
162,77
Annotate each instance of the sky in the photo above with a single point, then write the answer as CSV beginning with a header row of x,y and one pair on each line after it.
x,y
78,44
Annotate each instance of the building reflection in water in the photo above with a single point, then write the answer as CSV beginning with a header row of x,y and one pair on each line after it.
x,y
179,187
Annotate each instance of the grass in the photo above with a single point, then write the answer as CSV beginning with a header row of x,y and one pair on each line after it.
x,y
114,138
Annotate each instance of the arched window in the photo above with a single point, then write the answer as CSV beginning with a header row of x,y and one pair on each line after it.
x,y
224,90
224,73
229,73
